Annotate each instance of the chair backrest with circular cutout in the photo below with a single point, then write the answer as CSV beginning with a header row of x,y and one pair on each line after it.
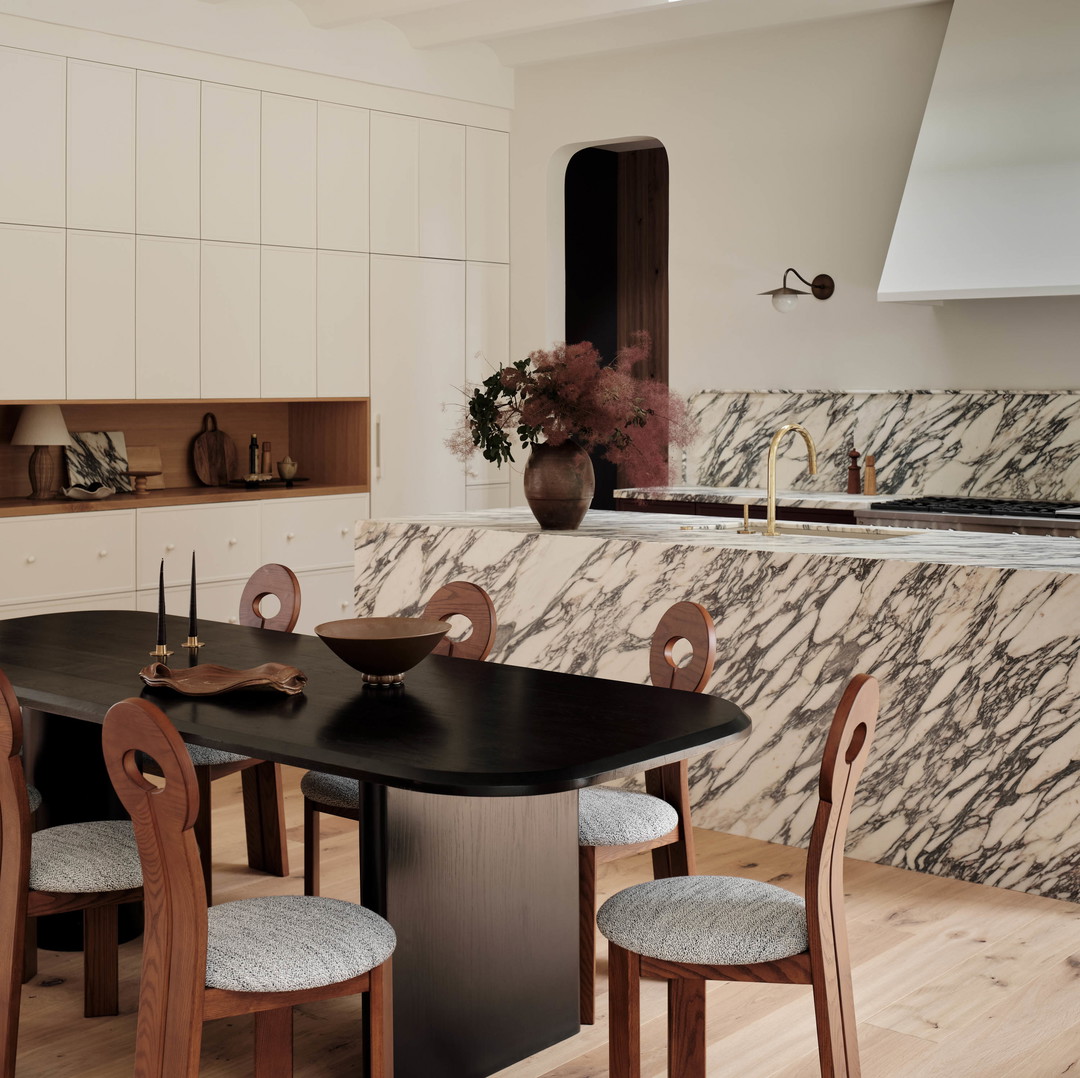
x,y
690,622
468,600
279,581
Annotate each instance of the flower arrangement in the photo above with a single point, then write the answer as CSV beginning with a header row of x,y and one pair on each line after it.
x,y
568,393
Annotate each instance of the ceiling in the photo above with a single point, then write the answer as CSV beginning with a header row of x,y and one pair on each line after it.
x,y
535,31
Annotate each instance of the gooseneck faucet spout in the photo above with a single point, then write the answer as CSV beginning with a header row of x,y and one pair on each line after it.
x,y
811,450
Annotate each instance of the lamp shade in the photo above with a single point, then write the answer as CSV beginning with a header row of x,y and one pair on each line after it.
x,y
41,424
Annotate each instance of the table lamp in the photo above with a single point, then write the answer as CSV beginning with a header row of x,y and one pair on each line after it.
x,y
42,426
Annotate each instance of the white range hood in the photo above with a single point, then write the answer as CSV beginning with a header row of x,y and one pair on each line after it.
x,y
992,202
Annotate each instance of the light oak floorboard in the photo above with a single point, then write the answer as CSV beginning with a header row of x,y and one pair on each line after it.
x,y
951,980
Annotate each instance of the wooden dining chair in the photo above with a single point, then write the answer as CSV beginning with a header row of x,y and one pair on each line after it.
x,y
616,823
264,806
259,956
702,928
336,795
93,867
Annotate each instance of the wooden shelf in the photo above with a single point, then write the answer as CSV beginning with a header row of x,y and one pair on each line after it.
x,y
24,507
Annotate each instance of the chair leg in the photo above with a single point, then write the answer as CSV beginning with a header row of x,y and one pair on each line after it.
x,y
264,818
838,1044
624,1012
100,977
203,832
274,1043
587,934
686,1027
311,848
380,1042
12,964
30,957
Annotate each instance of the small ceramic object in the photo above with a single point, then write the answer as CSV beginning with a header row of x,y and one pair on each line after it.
x,y
89,493
287,468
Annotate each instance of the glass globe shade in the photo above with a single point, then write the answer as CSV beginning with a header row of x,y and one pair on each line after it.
x,y
785,301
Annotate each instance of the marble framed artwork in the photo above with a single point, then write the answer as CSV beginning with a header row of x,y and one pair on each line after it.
x,y
98,457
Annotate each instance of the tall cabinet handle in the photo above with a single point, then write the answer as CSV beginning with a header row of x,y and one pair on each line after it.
x,y
378,447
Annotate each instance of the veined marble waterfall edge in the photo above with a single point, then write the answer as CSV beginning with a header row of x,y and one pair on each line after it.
x,y
973,772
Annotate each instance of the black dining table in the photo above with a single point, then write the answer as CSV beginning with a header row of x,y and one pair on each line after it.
x,y
469,774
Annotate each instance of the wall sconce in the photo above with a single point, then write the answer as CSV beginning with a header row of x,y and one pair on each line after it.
x,y
784,298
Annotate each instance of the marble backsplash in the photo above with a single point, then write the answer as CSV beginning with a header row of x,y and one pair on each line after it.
x,y
970,443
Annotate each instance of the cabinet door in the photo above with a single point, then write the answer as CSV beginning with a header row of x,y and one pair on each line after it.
x,y
343,178
167,155
229,361
32,123
342,317
289,126
487,343
395,184
288,322
101,147
68,557
418,339
32,312
491,496
487,195
216,602
231,133
312,533
326,596
166,318
225,539
442,190
100,315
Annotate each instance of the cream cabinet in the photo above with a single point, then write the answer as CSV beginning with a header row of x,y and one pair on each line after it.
x,y
229,320
78,558
289,135
32,137
100,315
395,184
487,195
490,496
167,155
231,137
312,533
100,147
288,322
343,164
325,596
342,324
487,343
418,340
216,602
441,203
166,318
32,311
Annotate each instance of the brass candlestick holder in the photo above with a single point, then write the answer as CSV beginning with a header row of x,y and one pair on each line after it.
x,y
160,652
194,643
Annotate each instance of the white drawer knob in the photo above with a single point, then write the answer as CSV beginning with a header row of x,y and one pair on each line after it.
x,y
170,547
232,542
344,531
232,621
344,606
30,559
102,553
290,535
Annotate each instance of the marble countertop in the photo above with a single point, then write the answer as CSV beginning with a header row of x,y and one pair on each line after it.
x,y
828,499
936,547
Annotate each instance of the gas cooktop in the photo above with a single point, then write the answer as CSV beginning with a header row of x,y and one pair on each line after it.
x,y
995,507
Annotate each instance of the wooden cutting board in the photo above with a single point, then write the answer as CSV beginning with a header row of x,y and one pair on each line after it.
x,y
214,454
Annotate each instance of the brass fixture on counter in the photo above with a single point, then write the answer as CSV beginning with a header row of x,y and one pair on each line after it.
x,y
745,529
811,449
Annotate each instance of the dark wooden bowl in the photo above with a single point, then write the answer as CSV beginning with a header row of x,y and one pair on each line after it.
x,y
382,649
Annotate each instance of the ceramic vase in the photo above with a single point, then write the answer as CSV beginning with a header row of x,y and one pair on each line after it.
x,y
559,485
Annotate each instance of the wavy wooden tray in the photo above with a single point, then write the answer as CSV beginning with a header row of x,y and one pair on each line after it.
x,y
209,679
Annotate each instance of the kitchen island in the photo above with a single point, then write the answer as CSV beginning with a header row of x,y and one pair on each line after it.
x,y
975,773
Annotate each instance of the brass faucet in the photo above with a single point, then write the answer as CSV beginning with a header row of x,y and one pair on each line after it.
x,y
770,518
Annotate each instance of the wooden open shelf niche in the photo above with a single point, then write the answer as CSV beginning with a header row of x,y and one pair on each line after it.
x,y
327,438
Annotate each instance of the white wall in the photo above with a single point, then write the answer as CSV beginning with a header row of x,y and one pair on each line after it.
x,y
787,147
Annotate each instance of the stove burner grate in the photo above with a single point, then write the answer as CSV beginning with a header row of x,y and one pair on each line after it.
x,y
983,507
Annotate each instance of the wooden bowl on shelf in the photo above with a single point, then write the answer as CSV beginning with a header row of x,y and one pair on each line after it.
x,y
382,649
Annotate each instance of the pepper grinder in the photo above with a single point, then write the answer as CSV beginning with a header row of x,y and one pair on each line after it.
x,y
854,482
253,456
870,483
267,467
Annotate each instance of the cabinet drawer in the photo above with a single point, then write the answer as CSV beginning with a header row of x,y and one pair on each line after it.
x,y
113,600
67,557
225,539
326,596
217,602
312,533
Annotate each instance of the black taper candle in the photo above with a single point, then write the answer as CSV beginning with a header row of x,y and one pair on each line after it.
x,y
193,623
161,605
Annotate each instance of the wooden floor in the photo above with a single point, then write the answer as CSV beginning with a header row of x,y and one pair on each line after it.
x,y
951,980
